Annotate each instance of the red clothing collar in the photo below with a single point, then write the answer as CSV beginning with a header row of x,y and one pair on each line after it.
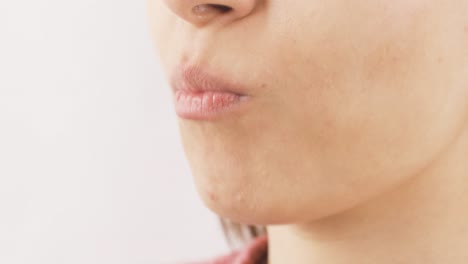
x,y
255,252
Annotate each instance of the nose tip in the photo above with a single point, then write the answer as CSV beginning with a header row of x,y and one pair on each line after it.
x,y
203,12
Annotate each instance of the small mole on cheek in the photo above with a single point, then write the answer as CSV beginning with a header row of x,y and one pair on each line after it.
x,y
465,30
212,197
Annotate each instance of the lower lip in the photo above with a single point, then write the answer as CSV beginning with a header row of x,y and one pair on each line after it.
x,y
206,105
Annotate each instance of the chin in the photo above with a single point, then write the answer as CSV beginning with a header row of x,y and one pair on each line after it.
x,y
242,212
232,196
242,199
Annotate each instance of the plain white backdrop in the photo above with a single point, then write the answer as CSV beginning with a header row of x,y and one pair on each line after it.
x,y
91,167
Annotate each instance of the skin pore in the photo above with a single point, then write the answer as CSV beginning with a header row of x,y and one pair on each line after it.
x,y
353,147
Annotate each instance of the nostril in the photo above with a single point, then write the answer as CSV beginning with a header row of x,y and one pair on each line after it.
x,y
221,8
204,9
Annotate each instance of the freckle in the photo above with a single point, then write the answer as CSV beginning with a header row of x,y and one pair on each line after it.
x,y
440,59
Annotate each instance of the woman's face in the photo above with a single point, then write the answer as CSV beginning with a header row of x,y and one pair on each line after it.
x,y
348,98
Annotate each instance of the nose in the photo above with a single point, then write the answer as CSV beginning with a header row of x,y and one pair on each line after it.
x,y
203,12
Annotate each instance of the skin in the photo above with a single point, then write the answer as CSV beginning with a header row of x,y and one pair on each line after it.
x,y
354,142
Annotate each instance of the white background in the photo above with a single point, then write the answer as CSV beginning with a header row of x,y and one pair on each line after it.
x,y
91,167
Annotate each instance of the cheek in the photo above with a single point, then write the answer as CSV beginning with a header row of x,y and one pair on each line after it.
x,y
356,70
369,96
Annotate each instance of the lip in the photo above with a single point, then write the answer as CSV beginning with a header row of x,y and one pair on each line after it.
x,y
202,95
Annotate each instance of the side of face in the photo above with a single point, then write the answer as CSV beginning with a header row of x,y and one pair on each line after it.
x,y
349,99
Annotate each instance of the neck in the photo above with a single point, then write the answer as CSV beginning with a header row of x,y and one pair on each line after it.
x,y
424,220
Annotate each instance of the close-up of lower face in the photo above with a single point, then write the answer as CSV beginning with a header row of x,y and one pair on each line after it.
x,y
290,111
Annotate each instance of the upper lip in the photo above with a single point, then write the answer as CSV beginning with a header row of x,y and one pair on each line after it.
x,y
196,79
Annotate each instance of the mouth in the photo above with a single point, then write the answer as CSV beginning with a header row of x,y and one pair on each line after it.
x,y
202,95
